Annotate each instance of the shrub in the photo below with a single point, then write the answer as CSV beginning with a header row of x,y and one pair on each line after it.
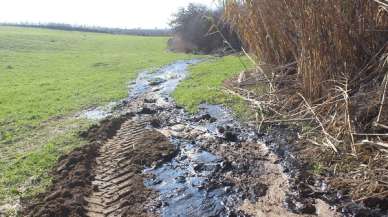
x,y
198,28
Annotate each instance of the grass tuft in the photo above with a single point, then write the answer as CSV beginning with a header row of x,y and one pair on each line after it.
x,y
204,85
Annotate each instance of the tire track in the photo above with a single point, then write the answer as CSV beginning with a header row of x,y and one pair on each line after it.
x,y
118,180
105,178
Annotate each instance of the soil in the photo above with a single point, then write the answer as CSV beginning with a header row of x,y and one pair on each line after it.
x,y
99,169
306,186
118,188
72,177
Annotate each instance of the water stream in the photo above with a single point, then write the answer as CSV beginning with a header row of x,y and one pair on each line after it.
x,y
197,182
193,182
164,79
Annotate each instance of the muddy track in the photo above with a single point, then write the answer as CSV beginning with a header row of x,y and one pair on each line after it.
x,y
157,160
106,179
118,185
113,181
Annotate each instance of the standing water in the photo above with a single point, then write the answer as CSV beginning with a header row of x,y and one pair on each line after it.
x,y
193,183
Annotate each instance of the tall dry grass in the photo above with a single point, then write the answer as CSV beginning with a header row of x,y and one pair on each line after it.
x,y
327,38
327,60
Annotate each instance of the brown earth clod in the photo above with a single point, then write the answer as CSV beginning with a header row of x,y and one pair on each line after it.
x,y
104,178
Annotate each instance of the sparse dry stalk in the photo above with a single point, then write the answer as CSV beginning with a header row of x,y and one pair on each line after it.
x,y
382,98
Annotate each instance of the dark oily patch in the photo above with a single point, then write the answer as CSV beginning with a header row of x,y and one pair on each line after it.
x,y
197,182
301,198
183,183
249,162
194,182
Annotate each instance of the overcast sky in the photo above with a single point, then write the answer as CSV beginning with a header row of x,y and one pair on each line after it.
x,y
107,13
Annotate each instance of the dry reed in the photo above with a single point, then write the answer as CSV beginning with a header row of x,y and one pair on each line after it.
x,y
333,61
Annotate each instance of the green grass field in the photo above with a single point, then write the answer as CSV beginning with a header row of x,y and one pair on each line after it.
x,y
47,76
45,73
204,85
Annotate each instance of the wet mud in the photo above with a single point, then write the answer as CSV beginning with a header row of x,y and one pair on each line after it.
x,y
118,188
306,188
72,177
154,159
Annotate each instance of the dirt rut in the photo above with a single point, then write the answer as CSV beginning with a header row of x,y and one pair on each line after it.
x,y
105,177
118,188
216,166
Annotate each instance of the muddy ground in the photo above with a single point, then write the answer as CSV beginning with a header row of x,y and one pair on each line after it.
x,y
115,175
78,189
153,159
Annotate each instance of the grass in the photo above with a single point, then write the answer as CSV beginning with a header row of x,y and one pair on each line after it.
x,y
45,73
46,76
27,175
24,170
204,83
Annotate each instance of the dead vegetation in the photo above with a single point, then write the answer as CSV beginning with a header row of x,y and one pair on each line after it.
x,y
323,64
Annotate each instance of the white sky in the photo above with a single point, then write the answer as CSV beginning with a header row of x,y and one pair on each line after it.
x,y
107,13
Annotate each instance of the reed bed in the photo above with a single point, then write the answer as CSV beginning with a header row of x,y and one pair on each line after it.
x,y
324,61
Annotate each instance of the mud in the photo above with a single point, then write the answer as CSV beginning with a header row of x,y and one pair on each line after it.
x,y
158,160
307,188
118,188
238,172
72,177
98,169
237,177
194,182
105,178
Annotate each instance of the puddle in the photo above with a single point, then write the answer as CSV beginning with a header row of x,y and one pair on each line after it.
x,y
163,81
182,183
190,184
194,183
198,181
99,113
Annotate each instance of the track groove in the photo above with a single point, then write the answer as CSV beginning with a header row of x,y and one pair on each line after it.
x,y
118,188
113,172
